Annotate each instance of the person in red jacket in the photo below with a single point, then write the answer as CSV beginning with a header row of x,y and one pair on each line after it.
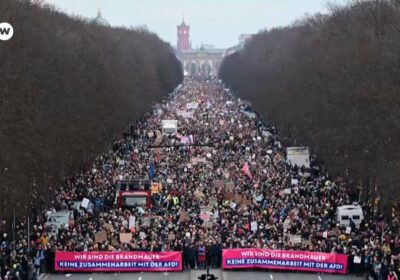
x,y
392,275
201,256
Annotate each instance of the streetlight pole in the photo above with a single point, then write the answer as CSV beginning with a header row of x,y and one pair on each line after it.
x,y
13,226
29,227
29,234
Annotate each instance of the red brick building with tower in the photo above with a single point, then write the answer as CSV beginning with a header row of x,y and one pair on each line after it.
x,y
183,43
204,61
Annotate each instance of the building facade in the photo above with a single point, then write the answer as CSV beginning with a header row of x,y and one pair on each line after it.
x,y
201,62
183,33
204,61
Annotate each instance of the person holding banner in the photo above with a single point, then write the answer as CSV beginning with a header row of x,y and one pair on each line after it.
x,y
191,256
201,256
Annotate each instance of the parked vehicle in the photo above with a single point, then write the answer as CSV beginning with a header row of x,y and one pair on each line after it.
x,y
346,212
299,156
169,126
58,220
135,193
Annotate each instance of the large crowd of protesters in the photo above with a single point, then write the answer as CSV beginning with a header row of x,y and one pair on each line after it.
x,y
225,183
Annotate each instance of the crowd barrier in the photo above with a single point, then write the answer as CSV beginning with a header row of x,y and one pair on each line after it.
x,y
284,260
118,261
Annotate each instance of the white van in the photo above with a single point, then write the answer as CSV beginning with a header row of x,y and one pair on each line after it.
x,y
59,219
169,126
298,156
345,212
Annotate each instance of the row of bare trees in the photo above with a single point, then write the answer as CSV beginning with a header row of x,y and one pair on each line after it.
x,y
67,87
332,82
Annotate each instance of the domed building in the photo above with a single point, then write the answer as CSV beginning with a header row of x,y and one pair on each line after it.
x,y
100,20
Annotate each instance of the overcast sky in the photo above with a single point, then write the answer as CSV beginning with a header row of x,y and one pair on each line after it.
x,y
216,22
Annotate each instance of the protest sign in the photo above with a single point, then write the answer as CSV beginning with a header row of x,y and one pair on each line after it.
x,y
229,186
100,236
254,226
294,181
295,239
146,221
125,237
229,195
85,203
184,216
205,214
108,227
171,236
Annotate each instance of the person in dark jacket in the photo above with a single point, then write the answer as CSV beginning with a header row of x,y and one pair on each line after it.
x,y
192,253
208,255
185,256
214,251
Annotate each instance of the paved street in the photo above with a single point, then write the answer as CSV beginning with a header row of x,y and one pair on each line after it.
x,y
226,275
121,276
282,276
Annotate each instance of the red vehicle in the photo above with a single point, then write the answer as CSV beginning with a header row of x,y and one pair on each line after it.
x,y
134,197
129,199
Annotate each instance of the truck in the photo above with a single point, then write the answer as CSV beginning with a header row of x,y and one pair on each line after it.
x,y
134,194
299,156
169,127
346,212
58,220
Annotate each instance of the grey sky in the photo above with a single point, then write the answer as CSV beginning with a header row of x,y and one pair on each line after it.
x,y
216,22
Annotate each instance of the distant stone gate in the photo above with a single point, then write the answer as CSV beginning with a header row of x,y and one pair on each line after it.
x,y
201,62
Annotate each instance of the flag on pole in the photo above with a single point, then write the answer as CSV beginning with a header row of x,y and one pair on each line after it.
x,y
151,171
179,136
158,156
246,171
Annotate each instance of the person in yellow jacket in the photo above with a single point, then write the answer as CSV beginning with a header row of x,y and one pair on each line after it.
x,y
175,200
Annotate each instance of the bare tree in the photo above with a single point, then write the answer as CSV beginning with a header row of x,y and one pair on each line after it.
x,y
331,82
67,88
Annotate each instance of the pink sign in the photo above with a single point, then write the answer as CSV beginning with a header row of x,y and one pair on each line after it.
x,y
118,261
284,260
